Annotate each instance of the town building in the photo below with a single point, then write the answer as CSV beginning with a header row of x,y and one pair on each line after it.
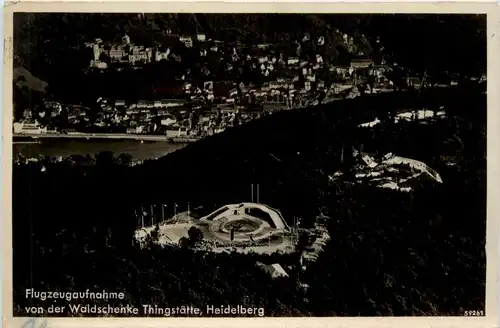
x,y
187,40
201,37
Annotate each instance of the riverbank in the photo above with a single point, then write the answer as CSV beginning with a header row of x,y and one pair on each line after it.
x,y
112,136
64,147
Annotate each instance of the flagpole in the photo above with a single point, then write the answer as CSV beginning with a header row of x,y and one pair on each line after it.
x,y
342,154
152,216
142,216
297,229
294,227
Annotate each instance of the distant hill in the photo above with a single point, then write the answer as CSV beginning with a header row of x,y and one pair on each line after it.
x,y
49,41
449,42
51,46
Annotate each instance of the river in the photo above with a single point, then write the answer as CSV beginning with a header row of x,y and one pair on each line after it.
x,y
54,147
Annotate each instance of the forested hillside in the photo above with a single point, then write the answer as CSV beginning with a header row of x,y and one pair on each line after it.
x,y
390,253
455,43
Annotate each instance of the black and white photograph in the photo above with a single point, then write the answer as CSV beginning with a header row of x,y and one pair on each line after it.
x,y
249,164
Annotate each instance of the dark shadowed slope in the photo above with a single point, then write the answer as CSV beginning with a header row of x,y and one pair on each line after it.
x,y
424,250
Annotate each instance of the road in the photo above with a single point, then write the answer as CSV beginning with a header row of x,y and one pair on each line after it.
x,y
115,136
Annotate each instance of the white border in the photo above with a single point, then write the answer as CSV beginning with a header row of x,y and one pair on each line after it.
x,y
493,23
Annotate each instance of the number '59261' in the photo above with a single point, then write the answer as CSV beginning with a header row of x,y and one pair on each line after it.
x,y
473,313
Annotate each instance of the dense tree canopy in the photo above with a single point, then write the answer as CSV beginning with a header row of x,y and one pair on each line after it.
x,y
390,253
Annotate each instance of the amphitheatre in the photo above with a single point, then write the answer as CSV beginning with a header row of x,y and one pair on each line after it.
x,y
242,227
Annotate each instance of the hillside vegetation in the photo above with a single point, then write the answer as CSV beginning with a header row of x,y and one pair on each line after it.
x,y
46,41
390,254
